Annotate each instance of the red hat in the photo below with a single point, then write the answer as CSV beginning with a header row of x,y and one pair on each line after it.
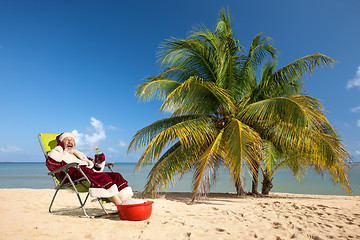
x,y
62,136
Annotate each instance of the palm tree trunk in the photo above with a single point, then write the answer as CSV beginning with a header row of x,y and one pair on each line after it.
x,y
266,185
239,189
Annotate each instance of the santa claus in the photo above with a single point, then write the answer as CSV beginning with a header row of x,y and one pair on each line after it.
x,y
109,185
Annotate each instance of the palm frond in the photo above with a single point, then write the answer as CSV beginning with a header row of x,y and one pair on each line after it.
x,y
242,146
206,168
173,164
271,156
202,32
194,56
299,111
157,88
197,132
145,136
198,97
304,66
259,50
297,164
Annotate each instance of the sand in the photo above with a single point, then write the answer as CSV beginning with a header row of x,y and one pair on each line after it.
x,y
24,215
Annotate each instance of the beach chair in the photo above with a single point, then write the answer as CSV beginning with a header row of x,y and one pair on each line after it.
x,y
48,142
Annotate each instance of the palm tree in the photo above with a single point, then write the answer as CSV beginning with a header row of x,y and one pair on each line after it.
x,y
317,142
221,113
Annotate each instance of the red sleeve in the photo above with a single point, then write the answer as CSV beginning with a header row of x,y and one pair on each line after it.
x,y
52,165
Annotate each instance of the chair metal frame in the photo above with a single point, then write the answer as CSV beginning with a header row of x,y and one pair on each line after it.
x,y
80,185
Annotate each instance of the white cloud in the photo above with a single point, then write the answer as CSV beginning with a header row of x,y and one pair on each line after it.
x,y
122,143
112,150
112,128
354,82
87,141
355,109
10,149
357,152
358,123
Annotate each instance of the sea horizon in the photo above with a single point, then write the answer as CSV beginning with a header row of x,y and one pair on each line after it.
x,y
34,175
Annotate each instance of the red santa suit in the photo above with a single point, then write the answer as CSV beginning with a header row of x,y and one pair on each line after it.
x,y
103,184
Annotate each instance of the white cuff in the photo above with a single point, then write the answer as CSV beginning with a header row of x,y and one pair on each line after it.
x,y
104,193
101,166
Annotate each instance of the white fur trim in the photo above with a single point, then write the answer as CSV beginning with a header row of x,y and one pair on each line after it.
x,y
65,135
101,166
79,155
104,193
90,164
126,194
66,157
56,153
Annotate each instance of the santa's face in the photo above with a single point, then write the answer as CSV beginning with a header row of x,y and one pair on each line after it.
x,y
69,143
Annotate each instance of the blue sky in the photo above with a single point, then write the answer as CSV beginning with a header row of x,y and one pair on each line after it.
x,y
74,65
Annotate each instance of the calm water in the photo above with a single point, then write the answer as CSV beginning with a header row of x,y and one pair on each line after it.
x,y
34,175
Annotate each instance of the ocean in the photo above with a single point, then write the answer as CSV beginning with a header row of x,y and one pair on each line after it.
x,y
34,175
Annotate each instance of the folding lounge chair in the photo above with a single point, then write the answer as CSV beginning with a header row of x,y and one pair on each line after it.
x,y
48,142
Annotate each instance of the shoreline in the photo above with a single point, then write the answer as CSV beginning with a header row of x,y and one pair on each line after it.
x,y
24,215
35,175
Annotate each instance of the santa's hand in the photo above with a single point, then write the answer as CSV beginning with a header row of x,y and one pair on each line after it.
x,y
61,144
59,148
99,158
90,164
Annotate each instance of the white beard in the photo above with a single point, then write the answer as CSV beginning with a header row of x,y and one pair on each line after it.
x,y
71,150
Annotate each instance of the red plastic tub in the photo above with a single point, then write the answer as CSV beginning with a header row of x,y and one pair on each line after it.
x,y
135,212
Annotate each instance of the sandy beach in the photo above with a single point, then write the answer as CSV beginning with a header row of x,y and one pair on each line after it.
x,y
24,215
